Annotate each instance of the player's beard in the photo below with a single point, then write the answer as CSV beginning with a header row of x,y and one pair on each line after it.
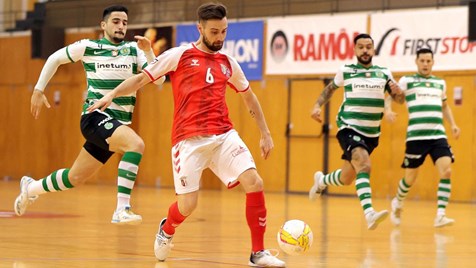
x,y
118,37
213,47
364,62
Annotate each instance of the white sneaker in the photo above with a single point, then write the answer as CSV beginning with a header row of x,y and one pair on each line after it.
x,y
126,216
264,258
163,243
317,189
442,221
375,218
23,200
396,212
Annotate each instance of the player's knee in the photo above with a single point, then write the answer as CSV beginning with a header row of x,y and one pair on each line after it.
x,y
446,173
77,179
139,145
251,181
364,168
188,206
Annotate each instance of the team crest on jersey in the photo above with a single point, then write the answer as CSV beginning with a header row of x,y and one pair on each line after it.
x,y
225,70
125,51
379,74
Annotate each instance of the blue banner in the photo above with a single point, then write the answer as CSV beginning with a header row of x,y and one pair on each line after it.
x,y
244,42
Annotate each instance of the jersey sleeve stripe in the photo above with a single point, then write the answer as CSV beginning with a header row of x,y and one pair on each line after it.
x,y
149,75
67,53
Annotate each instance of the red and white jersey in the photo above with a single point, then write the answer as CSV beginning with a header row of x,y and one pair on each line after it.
x,y
199,81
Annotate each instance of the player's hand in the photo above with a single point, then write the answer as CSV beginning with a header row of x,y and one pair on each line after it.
x,y
456,131
316,113
38,99
143,43
394,88
101,104
266,144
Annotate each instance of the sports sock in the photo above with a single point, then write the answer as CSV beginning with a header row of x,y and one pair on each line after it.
x,y
56,181
256,218
402,190
127,173
174,219
444,193
332,178
364,192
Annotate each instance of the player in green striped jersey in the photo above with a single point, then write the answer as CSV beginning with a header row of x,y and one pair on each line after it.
x,y
358,120
107,62
425,95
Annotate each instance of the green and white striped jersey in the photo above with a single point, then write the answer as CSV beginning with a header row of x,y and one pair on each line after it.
x,y
424,98
364,98
106,66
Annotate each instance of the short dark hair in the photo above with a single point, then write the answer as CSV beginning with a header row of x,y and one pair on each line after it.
x,y
108,10
362,35
211,11
424,51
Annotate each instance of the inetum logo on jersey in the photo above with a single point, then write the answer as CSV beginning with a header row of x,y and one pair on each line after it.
x,y
113,66
367,87
401,45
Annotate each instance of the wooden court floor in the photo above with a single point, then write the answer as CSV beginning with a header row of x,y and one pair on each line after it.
x,y
73,229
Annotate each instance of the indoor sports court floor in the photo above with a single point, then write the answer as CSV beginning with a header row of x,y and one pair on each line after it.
x,y
73,229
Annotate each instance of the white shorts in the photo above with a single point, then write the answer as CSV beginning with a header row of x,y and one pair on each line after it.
x,y
225,154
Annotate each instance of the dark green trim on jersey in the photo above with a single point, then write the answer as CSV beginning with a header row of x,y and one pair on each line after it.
x,y
425,108
423,132
425,120
104,84
365,102
69,56
124,100
367,130
426,84
119,115
362,116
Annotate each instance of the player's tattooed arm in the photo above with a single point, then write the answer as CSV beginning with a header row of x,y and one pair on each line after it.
x,y
326,94
252,113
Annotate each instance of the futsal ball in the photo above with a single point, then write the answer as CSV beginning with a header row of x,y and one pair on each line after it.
x,y
295,237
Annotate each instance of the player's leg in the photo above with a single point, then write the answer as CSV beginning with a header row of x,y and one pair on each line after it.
x,y
443,158
84,167
339,177
232,162
125,141
362,165
189,158
404,186
415,154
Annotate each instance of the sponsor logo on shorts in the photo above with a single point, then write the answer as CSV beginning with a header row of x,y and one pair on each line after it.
x,y
108,125
238,151
356,138
406,162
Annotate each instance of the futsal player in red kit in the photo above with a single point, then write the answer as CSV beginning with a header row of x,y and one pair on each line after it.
x,y
202,133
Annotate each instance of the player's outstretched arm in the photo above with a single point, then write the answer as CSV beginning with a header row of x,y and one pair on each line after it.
x,y
254,107
323,99
127,87
38,99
